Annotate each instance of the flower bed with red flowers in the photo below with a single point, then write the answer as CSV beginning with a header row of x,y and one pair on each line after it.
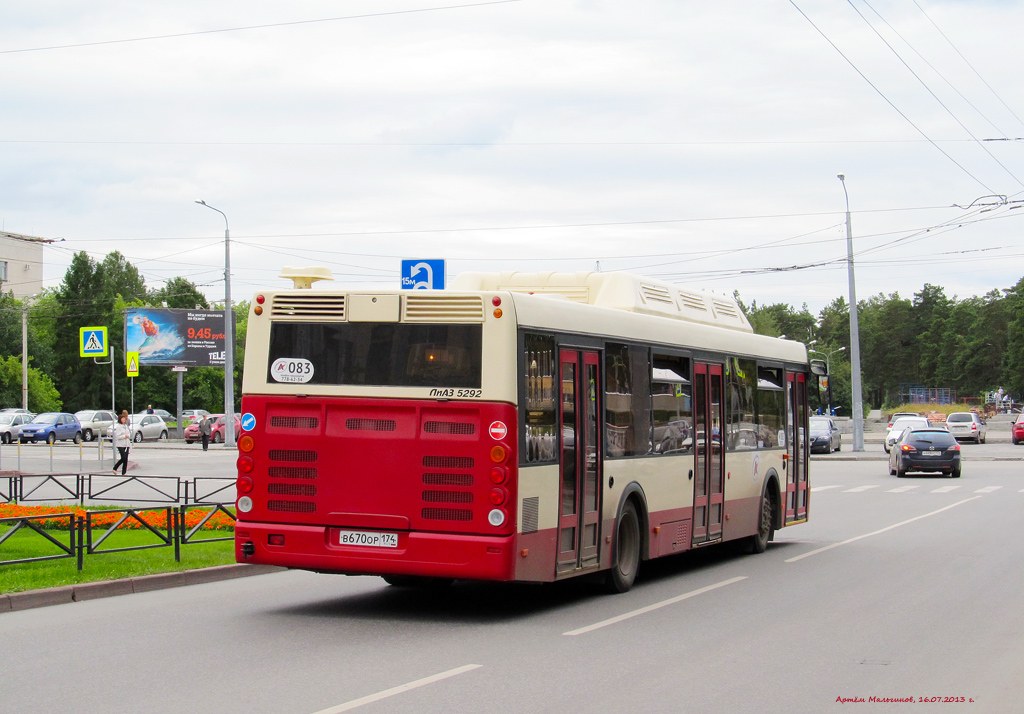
x,y
157,518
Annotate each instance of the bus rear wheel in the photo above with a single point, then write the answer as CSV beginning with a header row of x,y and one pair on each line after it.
x,y
758,542
626,550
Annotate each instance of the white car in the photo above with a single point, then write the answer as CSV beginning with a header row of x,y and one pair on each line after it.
x,y
10,425
95,424
967,425
148,426
900,425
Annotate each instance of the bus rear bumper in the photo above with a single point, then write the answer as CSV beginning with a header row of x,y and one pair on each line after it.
x,y
438,555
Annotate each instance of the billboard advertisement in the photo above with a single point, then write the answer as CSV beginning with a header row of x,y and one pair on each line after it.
x,y
163,336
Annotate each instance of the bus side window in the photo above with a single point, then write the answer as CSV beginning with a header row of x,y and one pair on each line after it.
x,y
539,416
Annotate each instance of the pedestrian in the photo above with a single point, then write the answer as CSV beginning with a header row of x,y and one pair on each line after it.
x,y
149,409
122,436
204,431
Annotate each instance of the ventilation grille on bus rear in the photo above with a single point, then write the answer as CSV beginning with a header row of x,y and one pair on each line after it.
x,y
291,506
442,308
291,422
449,427
447,514
318,305
291,489
531,514
447,497
371,424
304,472
292,455
448,462
448,479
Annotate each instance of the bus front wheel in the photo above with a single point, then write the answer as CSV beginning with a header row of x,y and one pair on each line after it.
x,y
626,550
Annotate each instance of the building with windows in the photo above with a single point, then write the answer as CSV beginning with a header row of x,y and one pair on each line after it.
x,y
21,264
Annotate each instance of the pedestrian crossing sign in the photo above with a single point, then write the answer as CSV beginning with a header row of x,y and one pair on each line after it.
x,y
133,364
92,341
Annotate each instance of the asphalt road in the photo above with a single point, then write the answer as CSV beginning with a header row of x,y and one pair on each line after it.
x,y
895,588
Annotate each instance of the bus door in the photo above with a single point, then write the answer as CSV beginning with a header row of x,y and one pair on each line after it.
x,y
709,474
580,461
796,447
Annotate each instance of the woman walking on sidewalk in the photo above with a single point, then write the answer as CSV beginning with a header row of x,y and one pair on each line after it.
x,y
122,436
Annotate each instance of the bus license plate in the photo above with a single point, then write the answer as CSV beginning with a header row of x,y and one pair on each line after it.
x,y
375,540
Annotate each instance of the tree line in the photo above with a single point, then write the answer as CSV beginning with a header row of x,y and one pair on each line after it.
x,y
97,293
969,345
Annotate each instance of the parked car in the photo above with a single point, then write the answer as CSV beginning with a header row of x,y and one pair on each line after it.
x,y
147,426
17,410
192,430
217,436
95,424
825,435
899,425
925,450
967,425
10,425
51,426
897,415
1017,430
189,416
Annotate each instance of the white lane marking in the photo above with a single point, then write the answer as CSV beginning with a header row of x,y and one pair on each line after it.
x,y
655,606
398,690
901,489
882,530
988,489
815,489
858,489
945,489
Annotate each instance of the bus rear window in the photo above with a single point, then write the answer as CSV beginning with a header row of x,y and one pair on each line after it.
x,y
375,354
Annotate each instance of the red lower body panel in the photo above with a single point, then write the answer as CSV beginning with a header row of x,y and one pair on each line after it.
x,y
439,555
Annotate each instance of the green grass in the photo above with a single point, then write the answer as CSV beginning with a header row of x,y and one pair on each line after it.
x,y
102,566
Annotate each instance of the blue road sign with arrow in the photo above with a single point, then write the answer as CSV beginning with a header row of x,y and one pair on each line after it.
x,y
423,274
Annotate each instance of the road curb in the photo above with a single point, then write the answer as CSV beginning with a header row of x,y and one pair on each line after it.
x,y
144,583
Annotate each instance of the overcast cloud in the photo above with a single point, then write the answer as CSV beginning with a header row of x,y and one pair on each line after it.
x,y
672,138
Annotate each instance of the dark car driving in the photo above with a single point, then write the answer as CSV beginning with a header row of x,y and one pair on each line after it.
x,y
925,450
825,436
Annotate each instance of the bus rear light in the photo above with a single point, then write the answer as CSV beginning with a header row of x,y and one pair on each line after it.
x,y
260,299
497,312
275,539
496,301
245,464
244,484
497,496
496,517
498,454
245,504
498,475
258,310
246,444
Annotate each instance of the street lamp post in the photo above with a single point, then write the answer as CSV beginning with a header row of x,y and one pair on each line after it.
x,y
229,337
855,386
828,368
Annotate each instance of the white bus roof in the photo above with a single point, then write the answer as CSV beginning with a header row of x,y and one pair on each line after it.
x,y
621,291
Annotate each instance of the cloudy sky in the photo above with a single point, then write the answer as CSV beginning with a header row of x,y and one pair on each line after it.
x,y
697,142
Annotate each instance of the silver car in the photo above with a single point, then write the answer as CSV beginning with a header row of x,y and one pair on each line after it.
x,y
967,425
147,426
95,424
10,425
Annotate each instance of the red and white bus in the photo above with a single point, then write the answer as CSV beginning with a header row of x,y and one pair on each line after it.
x,y
515,427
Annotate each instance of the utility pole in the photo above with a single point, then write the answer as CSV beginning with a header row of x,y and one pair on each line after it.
x,y
855,385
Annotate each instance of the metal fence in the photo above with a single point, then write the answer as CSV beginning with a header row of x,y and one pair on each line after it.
x,y
86,534
82,487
